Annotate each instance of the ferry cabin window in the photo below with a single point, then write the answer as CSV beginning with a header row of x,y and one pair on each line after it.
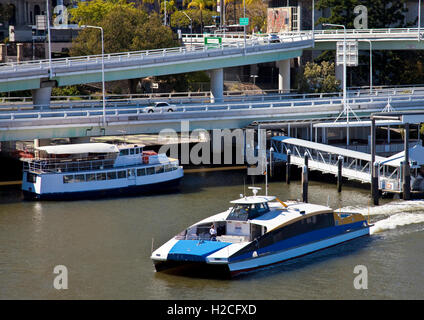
x,y
159,169
141,172
31,177
123,152
150,170
132,151
79,178
101,176
122,174
244,212
111,175
68,178
90,177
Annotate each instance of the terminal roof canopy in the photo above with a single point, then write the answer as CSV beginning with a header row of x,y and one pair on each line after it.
x,y
326,148
416,156
80,148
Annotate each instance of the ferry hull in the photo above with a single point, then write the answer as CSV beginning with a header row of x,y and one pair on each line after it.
x,y
193,269
233,269
132,190
247,265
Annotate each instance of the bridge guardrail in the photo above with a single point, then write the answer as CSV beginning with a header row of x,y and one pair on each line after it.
x,y
119,57
208,108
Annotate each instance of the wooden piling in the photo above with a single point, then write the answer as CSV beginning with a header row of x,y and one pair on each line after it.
x,y
339,173
305,184
374,184
406,169
288,167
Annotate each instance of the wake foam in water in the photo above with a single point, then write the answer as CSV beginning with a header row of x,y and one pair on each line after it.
x,y
389,208
400,213
396,220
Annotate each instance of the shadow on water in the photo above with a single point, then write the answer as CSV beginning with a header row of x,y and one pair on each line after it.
x,y
10,194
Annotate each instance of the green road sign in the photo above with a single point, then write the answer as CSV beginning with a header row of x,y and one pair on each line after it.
x,y
213,42
244,21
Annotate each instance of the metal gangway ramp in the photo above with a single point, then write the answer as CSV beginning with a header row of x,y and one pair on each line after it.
x,y
356,165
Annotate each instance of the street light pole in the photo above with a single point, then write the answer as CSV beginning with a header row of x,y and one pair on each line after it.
x,y
164,18
313,22
191,29
49,38
419,20
344,76
103,70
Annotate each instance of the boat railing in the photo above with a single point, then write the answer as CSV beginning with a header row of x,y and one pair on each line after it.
x,y
48,166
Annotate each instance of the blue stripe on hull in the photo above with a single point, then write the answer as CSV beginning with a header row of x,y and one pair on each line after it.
x,y
238,267
117,192
302,239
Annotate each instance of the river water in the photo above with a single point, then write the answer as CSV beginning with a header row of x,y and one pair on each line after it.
x,y
105,245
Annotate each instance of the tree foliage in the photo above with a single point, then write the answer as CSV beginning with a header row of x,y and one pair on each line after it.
x,y
126,28
6,12
381,13
389,67
317,78
179,19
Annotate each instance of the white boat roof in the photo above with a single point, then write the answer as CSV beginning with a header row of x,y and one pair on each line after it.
x,y
80,148
416,154
326,148
279,216
253,199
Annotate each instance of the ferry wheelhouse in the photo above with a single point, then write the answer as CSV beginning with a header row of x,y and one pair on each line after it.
x,y
257,231
91,170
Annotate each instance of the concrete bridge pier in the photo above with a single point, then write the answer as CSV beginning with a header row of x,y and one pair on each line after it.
x,y
40,143
41,96
217,85
283,75
80,140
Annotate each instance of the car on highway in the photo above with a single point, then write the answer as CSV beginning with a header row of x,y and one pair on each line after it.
x,y
160,106
273,38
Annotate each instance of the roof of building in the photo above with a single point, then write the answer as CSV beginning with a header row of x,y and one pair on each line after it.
x,y
416,156
80,148
326,148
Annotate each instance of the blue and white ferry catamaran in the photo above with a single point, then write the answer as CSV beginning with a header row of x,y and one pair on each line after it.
x,y
257,231
92,170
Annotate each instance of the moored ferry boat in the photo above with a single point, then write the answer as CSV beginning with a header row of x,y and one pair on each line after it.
x,y
258,231
91,170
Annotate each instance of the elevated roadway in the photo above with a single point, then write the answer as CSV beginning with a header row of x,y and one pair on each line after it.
x,y
18,125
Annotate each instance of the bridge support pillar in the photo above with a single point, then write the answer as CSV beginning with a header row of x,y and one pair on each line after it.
x,y
41,96
40,143
283,75
3,50
217,85
80,140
